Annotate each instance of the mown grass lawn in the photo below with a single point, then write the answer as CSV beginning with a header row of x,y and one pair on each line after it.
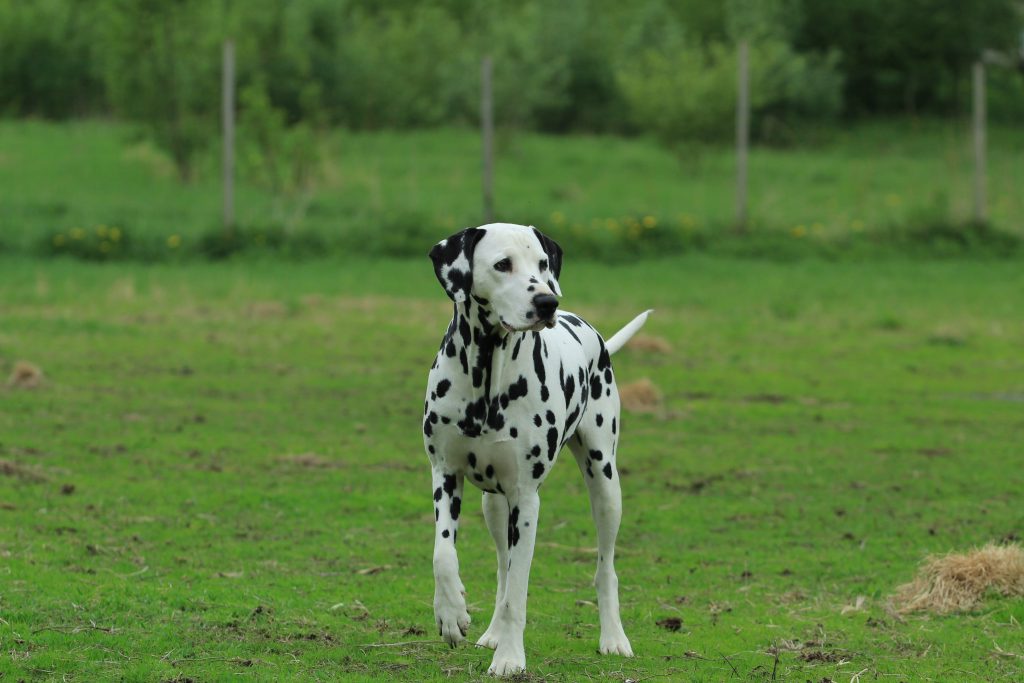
x,y
222,474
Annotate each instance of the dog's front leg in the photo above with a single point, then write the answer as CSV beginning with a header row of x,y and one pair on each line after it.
x,y
450,613
496,514
524,511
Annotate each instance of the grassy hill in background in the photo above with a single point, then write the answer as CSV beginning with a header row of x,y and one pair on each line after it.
x,y
393,193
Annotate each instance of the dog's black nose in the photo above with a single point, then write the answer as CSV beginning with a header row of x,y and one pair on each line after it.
x,y
545,305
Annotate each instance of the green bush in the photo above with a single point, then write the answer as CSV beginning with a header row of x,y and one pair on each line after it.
x,y
596,65
271,154
689,92
161,67
393,68
616,239
216,244
48,59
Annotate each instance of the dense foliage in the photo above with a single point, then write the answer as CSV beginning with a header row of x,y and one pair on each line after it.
x,y
664,66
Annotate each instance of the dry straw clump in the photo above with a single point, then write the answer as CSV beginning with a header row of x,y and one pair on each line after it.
x,y
646,343
25,375
957,582
640,396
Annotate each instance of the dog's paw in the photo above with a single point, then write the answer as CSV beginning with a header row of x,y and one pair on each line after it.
x,y
507,663
490,638
617,644
451,616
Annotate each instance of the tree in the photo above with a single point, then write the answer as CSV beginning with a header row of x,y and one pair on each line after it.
x,y
162,68
906,56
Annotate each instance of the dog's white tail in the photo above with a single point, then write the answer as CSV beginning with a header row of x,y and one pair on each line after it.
x,y
619,339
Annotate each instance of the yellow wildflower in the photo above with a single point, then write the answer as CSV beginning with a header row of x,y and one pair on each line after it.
x,y
558,217
77,233
650,222
174,241
115,234
101,230
799,231
857,225
58,240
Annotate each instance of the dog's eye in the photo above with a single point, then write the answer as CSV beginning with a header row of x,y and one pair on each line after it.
x,y
543,264
504,265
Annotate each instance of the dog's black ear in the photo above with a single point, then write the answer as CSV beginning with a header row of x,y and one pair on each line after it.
x,y
453,262
554,253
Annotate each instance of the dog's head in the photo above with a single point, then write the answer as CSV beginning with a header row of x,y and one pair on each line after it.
x,y
511,270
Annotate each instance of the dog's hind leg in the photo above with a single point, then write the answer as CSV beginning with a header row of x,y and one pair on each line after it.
x,y
496,515
450,615
510,616
594,450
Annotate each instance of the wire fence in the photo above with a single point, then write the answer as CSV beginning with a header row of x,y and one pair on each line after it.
x,y
742,141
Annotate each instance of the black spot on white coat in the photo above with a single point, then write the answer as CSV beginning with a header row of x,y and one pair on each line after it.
x,y
552,443
513,527
442,387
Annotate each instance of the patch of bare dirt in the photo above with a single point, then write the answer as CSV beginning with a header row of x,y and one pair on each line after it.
x,y
9,468
774,399
697,485
670,623
266,309
819,656
310,460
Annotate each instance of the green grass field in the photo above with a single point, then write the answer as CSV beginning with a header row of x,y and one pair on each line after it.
x,y
222,475
869,178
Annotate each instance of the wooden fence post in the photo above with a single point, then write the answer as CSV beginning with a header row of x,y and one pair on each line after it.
x,y
228,126
487,134
980,210
742,134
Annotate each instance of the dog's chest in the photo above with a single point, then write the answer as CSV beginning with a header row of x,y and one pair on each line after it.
x,y
508,421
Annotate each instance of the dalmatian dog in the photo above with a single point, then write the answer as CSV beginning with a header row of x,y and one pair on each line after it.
x,y
516,379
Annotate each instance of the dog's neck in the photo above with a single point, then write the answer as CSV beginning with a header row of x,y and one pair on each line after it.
x,y
478,347
478,334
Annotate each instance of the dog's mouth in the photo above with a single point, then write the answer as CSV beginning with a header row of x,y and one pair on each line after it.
x,y
533,327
